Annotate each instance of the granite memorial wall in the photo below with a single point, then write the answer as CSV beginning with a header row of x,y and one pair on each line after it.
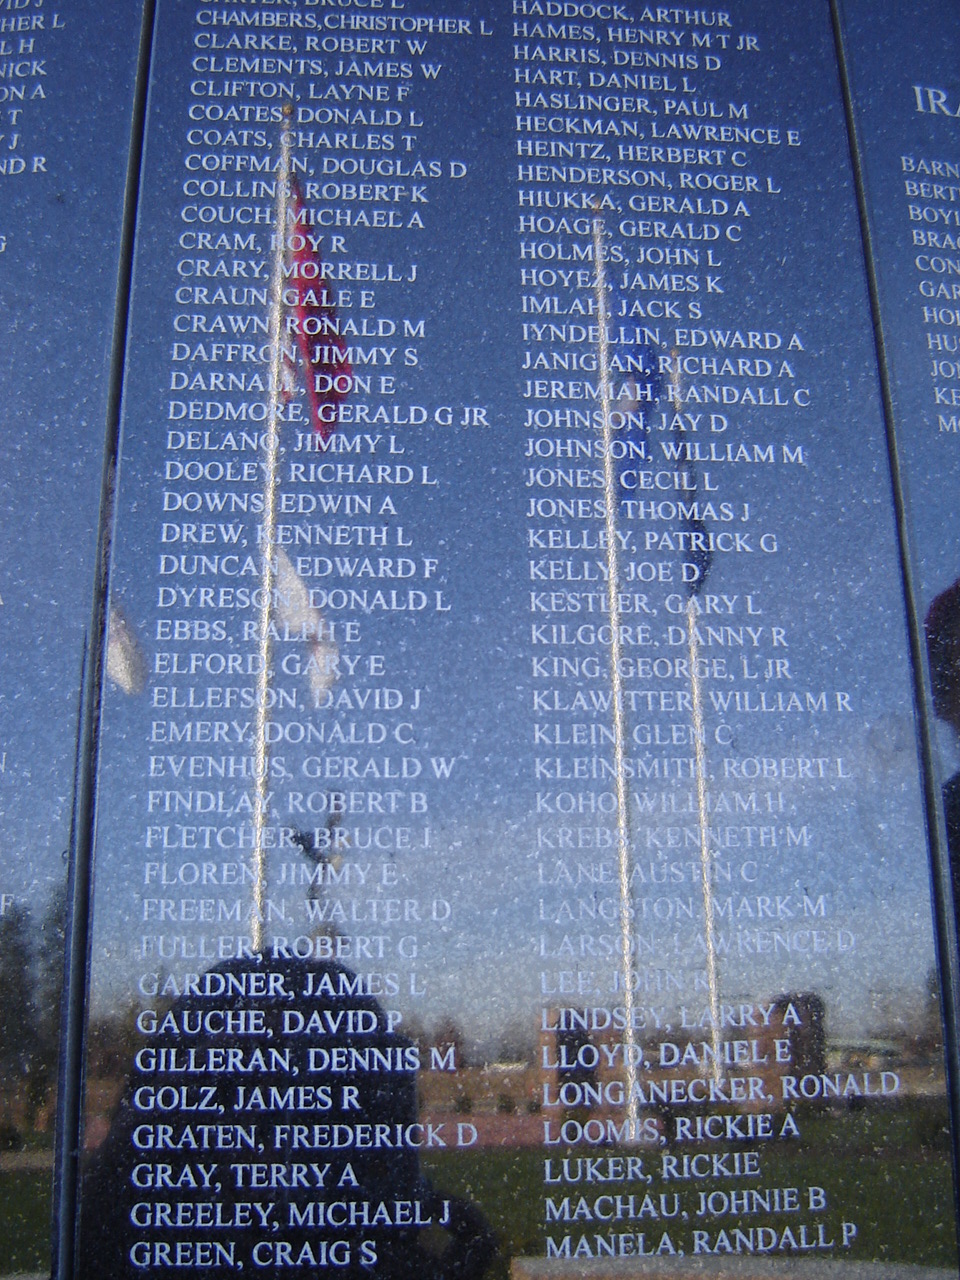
x,y
480,667
67,94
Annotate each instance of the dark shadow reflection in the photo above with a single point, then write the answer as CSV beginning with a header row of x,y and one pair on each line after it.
x,y
942,625
269,1124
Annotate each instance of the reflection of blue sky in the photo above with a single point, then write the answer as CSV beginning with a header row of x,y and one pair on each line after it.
x,y
833,586
891,128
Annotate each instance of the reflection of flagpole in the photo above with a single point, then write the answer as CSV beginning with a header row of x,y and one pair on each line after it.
x,y
700,764
619,727
271,451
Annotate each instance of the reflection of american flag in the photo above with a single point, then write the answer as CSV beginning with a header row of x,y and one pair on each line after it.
x,y
297,614
126,664
322,349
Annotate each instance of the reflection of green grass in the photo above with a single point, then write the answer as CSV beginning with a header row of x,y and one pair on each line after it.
x,y
886,1169
24,1221
508,1187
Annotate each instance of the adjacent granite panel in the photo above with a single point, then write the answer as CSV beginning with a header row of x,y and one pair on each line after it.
x,y
906,99
67,77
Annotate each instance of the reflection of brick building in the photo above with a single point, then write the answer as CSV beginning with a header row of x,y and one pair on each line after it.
x,y
589,1062
509,1088
20,1115
500,1100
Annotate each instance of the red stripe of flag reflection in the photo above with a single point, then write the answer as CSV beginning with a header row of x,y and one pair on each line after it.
x,y
322,349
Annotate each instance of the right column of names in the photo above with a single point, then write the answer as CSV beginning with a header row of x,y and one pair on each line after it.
x,y
701,734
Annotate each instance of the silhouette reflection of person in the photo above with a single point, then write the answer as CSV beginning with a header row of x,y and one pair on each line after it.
x,y
942,625
269,1124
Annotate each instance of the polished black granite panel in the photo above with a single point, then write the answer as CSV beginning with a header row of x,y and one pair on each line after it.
x,y
904,87
67,77
515,855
